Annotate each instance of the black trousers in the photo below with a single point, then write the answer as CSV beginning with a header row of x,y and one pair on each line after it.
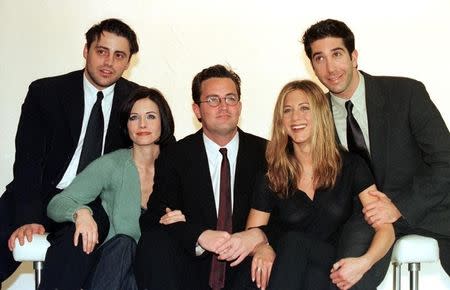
x,y
161,263
66,266
302,263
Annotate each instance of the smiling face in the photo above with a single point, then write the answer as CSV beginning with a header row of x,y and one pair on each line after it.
x,y
335,67
106,59
218,123
297,118
144,123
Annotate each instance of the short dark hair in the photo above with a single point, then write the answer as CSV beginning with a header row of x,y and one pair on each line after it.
x,y
167,123
115,26
328,28
216,71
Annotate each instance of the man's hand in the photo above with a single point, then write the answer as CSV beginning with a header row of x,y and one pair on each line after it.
x,y
211,240
25,231
262,265
172,216
381,211
85,226
241,245
346,272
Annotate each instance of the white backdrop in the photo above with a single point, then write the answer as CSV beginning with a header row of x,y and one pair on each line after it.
x,y
260,40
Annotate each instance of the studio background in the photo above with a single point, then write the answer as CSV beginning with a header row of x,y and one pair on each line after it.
x,y
260,40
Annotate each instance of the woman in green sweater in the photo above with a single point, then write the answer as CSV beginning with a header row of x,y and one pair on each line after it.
x,y
124,181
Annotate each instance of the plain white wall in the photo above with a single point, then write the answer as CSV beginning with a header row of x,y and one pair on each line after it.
x,y
260,40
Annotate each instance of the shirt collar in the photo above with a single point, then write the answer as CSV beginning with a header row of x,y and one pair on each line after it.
x,y
213,148
91,90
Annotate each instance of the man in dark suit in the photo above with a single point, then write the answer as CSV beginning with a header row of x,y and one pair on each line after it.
x,y
52,130
406,139
188,178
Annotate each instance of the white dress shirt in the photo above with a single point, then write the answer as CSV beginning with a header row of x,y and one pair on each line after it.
x,y
90,97
359,112
215,161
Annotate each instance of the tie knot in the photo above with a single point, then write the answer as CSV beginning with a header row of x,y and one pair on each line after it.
x,y
349,106
223,151
99,96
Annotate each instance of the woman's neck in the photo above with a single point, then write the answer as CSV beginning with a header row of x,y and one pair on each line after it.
x,y
145,156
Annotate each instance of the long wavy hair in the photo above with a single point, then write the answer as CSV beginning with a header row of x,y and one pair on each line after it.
x,y
284,170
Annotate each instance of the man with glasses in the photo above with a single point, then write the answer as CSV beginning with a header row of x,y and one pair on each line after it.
x,y
209,176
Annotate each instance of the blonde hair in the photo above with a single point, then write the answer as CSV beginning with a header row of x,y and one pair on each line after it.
x,y
284,170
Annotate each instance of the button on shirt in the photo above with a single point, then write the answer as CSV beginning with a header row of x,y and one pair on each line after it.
x,y
359,112
90,96
214,162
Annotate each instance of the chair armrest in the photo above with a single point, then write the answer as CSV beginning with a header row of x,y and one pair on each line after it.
x,y
415,249
31,251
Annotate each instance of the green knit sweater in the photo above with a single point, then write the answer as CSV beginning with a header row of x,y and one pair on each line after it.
x,y
115,178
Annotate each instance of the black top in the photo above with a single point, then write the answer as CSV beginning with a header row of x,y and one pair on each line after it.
x,y
322,217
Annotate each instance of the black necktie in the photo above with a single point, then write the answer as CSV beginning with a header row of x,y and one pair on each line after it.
x,y
224,222
355,137
93,139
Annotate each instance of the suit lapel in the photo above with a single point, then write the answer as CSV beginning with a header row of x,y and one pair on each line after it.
x,y
72,102
241,180
205,189
377,114
112,134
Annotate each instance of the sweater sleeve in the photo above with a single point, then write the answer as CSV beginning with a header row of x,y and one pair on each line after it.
x,y
85,188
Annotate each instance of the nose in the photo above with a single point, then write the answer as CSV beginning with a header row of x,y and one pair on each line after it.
x,y
109,59
330,66
142,123
222,104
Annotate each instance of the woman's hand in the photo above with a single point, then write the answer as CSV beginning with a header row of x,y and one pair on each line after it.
x,y
85,226
172,216
262,265
346,272
240,245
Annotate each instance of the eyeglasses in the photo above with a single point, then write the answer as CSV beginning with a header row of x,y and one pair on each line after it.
x,y
214,101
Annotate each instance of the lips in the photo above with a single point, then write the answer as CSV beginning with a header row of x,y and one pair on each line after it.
x,y
334,79
298,127
106,72
143,133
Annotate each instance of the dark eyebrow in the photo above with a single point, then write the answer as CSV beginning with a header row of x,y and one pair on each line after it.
x,y
107,48
333,50
338,49
102,47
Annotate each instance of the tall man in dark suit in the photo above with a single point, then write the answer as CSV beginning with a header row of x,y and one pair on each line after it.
x,y
52,130
405,141
188,178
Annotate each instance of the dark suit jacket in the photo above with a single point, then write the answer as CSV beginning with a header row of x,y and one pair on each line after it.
x,y
183,181
410,151
47,136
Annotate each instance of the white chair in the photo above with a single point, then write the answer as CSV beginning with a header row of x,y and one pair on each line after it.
x,y
33,251
413,249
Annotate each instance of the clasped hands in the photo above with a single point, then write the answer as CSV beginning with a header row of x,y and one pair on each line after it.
x,y
235,247
381,211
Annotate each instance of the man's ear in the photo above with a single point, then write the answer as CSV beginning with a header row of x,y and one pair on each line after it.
x,y
354,56
85,51
196,109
